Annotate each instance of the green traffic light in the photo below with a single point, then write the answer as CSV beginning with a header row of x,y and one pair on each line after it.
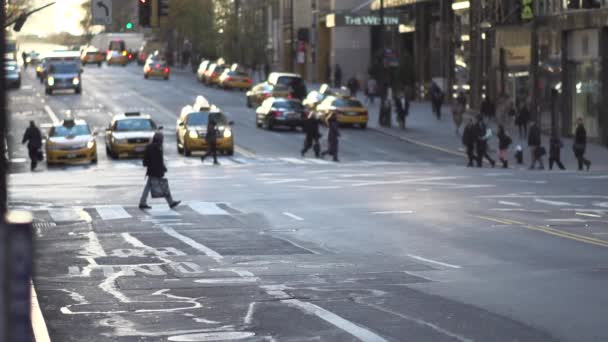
x,y
129,26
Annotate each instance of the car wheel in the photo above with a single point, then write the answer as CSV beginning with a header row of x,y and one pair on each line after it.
x,y
166,78
99,64
268,124
49,91
124,65
230,152
187,152
363,126
94,161
78,91
146,76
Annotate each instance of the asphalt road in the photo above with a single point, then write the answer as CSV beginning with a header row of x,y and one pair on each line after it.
x,y
395,243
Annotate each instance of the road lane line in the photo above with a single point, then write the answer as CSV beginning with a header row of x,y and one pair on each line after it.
x,y
589,215
294,161
207,208
555,203
433,261
330,317
51,114
112,212
245,152
41,333
190,242
249,316
513,204
295,217
393,212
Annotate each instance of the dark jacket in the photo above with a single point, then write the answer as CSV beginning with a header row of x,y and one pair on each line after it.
x,y
153,160
402,105
523,117
580,136
468,136
211,136
479,131
555,145
504,141
33,137
487,108
334,132
311,127
534,136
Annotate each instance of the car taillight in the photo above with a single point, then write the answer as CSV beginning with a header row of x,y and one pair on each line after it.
x,y
290,96
249,81
229,79
130,56
166,70
266,95
276,113
147,69
214,75
157,66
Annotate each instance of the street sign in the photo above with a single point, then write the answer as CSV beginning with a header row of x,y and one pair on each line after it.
x,y
526,10
101,11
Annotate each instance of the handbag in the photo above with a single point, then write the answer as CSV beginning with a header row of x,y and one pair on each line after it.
x,y
39,155
159,187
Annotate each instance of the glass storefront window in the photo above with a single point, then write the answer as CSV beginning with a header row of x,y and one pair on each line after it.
x,y
586,95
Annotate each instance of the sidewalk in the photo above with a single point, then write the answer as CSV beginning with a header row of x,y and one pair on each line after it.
x,y
422,128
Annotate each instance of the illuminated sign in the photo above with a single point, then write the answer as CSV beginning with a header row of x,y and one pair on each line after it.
x,y
338,19
526,10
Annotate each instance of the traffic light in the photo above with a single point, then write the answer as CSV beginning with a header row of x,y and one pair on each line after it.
x,y
145,12
129,25
20,22
163,8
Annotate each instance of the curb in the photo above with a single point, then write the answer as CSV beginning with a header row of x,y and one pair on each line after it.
x,y
419,143
39,329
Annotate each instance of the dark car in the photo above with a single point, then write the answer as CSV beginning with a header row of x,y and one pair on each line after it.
x,y
293,82
280,112
13,75
62,76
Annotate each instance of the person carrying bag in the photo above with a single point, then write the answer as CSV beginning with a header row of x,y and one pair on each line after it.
x,y
156,182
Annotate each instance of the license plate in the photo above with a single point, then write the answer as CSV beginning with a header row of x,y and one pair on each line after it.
x,y
140,149
71,155
292,115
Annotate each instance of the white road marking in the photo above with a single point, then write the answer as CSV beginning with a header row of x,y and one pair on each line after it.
x,y
330,317
41,333
513,204
295,217
555,203
18,160
522,210
319,161
433,261
589,215
406,181
112,212
571,220
392,212
93,248
601,204
159,212
207,208
212,336
109,286
294,160
249,316
51,114
190,242
233,280
285,181
66,214
244,152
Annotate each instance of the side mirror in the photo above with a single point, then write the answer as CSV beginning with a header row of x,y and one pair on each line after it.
x,y
231,123
180,123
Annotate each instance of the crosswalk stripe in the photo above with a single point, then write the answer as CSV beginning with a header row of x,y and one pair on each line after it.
x,y
65,214
319,161
207,208
161,212
294,161
112,212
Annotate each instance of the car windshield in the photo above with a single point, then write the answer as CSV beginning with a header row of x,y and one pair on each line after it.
x,y
117,45
63,69
289,81
63,131
287,105
202,118
347,103
130,125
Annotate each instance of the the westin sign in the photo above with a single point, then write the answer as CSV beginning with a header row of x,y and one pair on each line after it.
x,y
337,19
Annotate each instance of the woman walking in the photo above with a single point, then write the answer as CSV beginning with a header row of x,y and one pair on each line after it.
x,y
458,111
155,163
504,141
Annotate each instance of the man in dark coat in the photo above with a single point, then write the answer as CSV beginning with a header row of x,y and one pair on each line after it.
x,y
332,138
211,139
534,144
402,106
33,138
436,99
311,128
481,142
555,146
337,76
353,86
468,140
155,164
580,145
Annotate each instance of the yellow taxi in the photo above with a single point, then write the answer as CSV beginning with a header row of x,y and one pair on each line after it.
x,y
315,97
128,135
263,91
91,57
71,142
156,67
212,75
348,111
192,128
234,79
117,53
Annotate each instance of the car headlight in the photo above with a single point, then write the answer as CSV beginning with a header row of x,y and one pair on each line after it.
x,y
50,81
76,81
91,144
119,141
193,134
29,59
227,133
38,68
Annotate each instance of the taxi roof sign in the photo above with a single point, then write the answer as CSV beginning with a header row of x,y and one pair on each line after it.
x,y
132,114
201,103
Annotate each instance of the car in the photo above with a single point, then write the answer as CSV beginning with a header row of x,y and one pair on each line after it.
x,y
54,57
348,110
192,128
117,53
91,57
212,75
263,91
147,49
234,79
40,69
200,72
317,96
294,82
33,57
128,135
71,142
12,74
156,67
280,112
61,76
